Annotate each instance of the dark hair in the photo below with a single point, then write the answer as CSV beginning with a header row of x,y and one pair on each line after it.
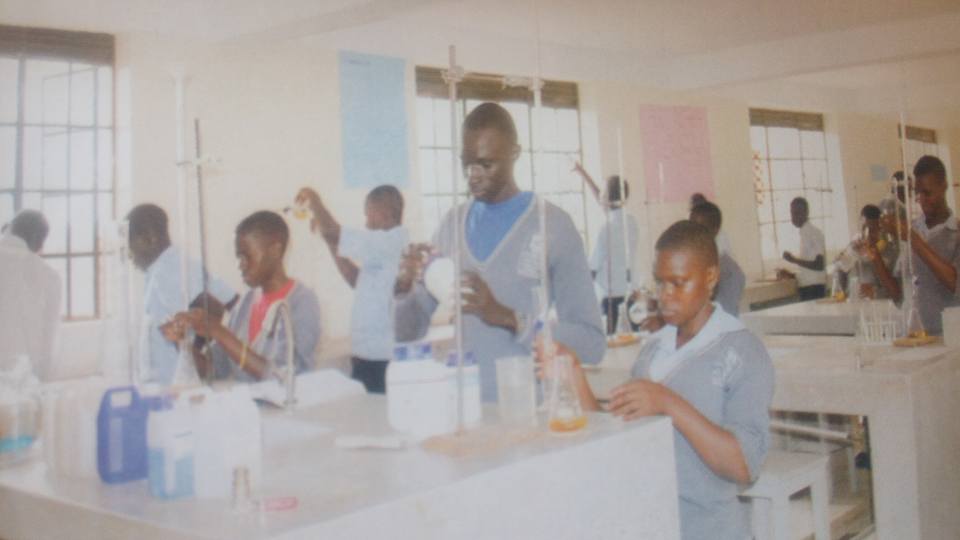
x,y
613,189
697,198
932,166
32,227
692,236
871,211
898,176
148,219
711,214
390,197
265,223
800,202
491,115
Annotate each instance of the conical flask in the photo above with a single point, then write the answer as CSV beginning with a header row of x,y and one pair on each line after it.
x,y
566,414
915,328
623,320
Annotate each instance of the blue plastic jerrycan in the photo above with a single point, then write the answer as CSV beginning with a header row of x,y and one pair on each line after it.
x,y
122,435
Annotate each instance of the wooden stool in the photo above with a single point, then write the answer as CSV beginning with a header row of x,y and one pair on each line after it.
x,y
783,474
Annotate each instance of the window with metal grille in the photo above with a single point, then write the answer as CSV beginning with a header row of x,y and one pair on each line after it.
x,y
56,148
560,144
790,159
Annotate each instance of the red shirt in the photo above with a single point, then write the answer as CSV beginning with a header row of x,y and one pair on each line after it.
x,y
260,307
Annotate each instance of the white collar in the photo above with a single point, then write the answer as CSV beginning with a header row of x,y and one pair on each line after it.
x,y
921,224
12,240
719,323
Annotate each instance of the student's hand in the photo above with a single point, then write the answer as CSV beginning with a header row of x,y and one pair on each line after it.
x,y
578,168
867,290
652,323
412,263
787,256
214,307
202,324
480,301
173,331
785,274
888,224
638,398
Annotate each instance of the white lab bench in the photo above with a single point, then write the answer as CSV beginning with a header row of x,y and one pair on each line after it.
x,y
911,398
812,317
611,480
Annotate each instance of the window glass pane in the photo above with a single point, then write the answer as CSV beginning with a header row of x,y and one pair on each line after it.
x,y
82,226
32,158
568,130
8,155
547,129
444,204
32,200
815,199
105,159
105,96
9,73
783,142
768,243
568,180
761,173
443,163
813,145
82,159
545,180
431,215
781,203
765,207
82,96
815,174
428,173
104,209
59,264
786,174
521,172
758,140
425,121
53,152
6,208
441,122
45,92
55,210
82,287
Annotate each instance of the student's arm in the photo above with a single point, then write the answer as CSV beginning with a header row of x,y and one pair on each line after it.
x,y
347,268
884,275
322,218
578,323
816,264
238,351
945,271
578,168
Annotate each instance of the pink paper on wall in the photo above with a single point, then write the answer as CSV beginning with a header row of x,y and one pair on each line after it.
x,y
679,139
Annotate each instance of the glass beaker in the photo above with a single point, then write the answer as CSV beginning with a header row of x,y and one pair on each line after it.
x,y
623,320
516,391
566,414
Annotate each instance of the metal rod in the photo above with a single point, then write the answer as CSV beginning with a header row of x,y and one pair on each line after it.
x,y
201,212
823,433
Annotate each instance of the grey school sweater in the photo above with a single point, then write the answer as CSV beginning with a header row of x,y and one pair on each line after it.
x,y
512,273
727,375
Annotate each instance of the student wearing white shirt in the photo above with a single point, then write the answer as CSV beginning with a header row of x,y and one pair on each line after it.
x,y
29,295
369,260
811,277
611,261
150,248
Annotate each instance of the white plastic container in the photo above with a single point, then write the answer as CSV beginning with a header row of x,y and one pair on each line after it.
x,y
419,400
170,451
70,430
228,437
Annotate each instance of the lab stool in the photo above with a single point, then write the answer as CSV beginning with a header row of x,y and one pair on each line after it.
x,y
783,474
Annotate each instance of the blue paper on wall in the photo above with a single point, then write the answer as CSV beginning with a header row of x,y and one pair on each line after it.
x,y
373,119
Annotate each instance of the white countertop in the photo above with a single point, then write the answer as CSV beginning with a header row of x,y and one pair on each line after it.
x,y
500,483
813,317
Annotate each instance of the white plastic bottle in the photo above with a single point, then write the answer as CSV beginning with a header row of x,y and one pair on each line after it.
x,y
228,437
472,409
418,393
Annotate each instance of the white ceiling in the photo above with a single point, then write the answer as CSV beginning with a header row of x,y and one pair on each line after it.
x,y
854,44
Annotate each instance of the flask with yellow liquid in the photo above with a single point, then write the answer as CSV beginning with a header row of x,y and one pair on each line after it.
x,y
566,414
